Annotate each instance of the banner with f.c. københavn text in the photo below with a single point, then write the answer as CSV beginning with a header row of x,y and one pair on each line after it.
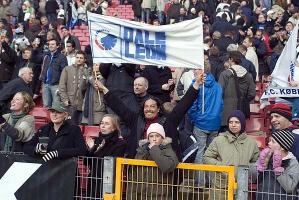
x,y
115,40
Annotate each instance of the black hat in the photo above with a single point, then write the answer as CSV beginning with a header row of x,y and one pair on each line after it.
x,y
284,138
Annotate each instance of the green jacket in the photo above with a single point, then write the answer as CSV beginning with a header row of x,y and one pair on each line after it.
x,y
227,149
150,179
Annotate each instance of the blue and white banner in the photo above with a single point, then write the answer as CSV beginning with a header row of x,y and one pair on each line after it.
x,y
283,72
115,40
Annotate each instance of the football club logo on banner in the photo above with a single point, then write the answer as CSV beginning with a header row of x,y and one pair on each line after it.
x,y
104,40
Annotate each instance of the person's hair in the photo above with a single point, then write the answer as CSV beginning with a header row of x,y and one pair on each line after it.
x,y
81,53
28,102
207,39
54,39
72,42
207,66
250,39
27,49
23,70
235,56
242,48
115,122
214,51
144,80
273,42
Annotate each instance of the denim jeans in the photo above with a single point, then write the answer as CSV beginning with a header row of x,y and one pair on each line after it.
x,y
146,15
204,138
295,107
50,95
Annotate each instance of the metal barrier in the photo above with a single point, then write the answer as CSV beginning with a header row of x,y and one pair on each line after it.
x,y
95,177
267,185
141,179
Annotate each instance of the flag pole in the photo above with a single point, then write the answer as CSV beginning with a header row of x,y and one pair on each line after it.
x,y
99,95
203,92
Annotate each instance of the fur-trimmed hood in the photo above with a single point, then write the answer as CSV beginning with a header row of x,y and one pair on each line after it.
x,y
166,141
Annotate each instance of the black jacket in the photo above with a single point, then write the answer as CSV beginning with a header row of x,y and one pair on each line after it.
x,y
51,6
68,141
55,63
7,62
136,121
114,146
156,78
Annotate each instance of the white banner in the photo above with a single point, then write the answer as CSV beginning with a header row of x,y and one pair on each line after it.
x,y
281,92
283,71
115,40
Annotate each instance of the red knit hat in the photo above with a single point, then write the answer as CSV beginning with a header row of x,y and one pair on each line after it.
x,y
283,110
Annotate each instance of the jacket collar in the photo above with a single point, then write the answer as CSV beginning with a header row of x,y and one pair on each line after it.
x,y
166,141
232,138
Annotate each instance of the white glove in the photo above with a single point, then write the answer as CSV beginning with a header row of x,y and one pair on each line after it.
x,y
50,155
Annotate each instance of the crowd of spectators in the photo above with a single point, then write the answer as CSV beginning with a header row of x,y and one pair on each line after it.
x,y
148,112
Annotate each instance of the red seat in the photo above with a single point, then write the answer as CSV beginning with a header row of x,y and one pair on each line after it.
x,y
40,114
39,124
79,34
84,43
84,39
255,109
260,140
255,124
91,131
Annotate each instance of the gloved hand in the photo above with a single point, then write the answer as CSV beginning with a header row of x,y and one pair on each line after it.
x,y
50,155
277,161
40,149
263,160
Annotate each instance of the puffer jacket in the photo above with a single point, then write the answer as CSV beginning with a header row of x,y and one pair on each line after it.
x,y
210,120
166,160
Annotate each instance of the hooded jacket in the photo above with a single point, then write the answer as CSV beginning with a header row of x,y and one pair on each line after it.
x,y
213,106
233,101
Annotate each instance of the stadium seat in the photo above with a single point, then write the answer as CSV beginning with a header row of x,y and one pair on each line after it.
x,y
255,109
40,114
39,124
255,124
91,131
260,140
79,34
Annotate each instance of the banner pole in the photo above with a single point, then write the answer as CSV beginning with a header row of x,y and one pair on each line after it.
x,y
99,95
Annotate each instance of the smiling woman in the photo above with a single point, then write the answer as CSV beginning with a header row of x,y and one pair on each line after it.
x,y
17,127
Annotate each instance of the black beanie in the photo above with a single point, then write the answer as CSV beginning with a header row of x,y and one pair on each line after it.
x,y
284,138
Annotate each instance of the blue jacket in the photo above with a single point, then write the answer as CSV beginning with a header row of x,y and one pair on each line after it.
x,y
210,120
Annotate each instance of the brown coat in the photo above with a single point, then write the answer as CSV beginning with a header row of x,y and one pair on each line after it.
x,y
166,160
73,84
230,96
